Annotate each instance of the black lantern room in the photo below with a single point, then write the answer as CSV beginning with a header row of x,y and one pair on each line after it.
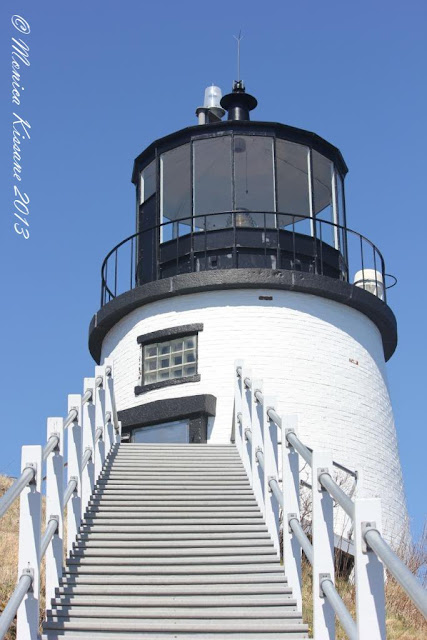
x,y
240,194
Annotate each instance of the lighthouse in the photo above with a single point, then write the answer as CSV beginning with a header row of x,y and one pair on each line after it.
x,y
243,250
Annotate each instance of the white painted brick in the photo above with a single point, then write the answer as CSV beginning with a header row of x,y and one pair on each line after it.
x,y
302,346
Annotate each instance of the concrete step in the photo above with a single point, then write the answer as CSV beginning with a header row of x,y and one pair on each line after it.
x,y
201,469
125,446
173,544
164,552
59,634
170,493
189,527
159,483
178,519
169,537
174,569
176,626
175,461
156,613
189,560
196,464
167,502
171,579
172,476
175,512
192,595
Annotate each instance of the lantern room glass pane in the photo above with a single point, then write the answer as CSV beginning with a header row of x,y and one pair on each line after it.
x,y
340,199
212,181
322,193
292,169
175,192
148,182
342,220
254,180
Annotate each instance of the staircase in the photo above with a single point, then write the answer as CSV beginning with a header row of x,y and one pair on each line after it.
x,y
173,546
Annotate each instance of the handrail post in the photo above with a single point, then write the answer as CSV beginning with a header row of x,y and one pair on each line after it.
x,y
369,573
109,406
271,470
291,505
88,436
109,362
99,454
257,444
323,547
74,442
54,506
30,513
246,423
238,409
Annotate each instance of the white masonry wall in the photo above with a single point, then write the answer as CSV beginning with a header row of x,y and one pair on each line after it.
x,y
323,360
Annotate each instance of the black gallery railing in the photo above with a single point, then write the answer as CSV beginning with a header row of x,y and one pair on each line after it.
x,y
242,239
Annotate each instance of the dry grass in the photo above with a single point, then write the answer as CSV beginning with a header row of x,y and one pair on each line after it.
x,y
8,551
9,530
403,620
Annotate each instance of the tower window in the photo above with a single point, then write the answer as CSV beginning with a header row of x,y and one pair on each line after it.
x,y
169,357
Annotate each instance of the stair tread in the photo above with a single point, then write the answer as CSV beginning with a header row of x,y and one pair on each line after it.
x,y
185,569
178,589
171,544
142,600
250,611
189,560
54,634
177,625
111,552
172,579
174,536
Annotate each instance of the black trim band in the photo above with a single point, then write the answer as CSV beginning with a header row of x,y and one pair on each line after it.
x,y
368,304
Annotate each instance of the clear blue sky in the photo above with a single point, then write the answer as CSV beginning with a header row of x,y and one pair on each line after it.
x,y
106,78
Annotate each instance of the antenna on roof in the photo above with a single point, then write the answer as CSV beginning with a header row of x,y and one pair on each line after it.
x,y
238,39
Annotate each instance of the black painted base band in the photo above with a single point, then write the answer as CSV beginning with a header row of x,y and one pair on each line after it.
x,y
368,304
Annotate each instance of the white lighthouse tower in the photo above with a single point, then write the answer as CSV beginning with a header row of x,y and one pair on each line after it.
x,y
242,250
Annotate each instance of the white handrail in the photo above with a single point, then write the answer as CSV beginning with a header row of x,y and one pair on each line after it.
x,y
365,514
34,546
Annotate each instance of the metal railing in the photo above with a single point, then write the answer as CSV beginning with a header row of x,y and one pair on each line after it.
x,y
257,424
92,431
284,241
